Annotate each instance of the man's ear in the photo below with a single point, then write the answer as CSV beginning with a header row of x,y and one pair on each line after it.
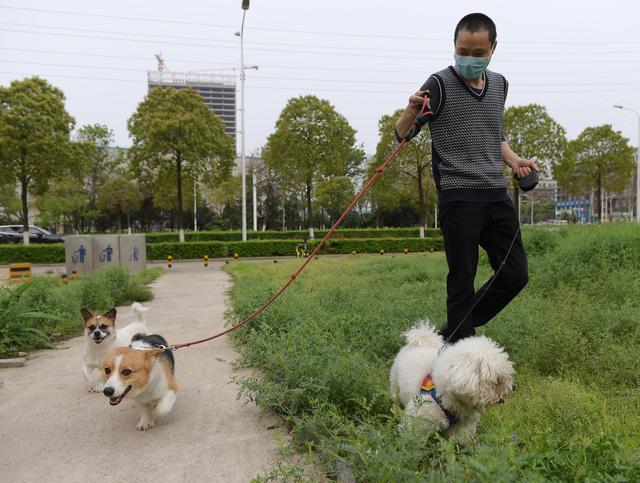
x,y
111,314
86,315
493,49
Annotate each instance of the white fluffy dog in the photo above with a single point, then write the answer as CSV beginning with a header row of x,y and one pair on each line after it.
x,y
451,388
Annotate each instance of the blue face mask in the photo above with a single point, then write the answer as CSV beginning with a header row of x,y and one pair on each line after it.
x,y
471,67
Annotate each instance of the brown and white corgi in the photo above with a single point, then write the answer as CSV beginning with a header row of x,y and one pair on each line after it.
x,y
101,336
143,372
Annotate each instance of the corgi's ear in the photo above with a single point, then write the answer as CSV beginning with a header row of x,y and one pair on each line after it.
x,y
111,314
86,315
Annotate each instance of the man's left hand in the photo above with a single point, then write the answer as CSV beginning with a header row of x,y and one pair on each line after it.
x,y
523,167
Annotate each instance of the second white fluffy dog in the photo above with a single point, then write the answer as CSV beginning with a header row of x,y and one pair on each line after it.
x,y
449,389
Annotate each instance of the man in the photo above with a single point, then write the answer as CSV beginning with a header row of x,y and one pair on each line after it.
x,y
468,149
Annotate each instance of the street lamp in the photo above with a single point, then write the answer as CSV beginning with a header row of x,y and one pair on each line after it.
x,y
617,106
245,7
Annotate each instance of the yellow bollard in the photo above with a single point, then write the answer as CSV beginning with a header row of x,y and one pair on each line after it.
x,y
169,261
65,279
406,251
206,261
19,272
74,275
382,251
353,252
236,255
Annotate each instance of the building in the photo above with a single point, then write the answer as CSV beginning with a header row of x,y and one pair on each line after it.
x,y
218,92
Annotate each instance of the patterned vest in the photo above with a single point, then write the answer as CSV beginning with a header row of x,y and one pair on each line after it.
x,y
466,137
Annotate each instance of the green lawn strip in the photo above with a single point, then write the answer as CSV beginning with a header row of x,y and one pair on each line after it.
x,y
53,309
324,350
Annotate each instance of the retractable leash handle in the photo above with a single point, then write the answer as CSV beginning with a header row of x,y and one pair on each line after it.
x,y
421,119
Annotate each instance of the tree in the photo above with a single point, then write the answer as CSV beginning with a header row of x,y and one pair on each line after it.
x,y
533,134
334,195
119,196
174,128
599,158
407,181
34,137
311,142
9,203
96,165
66,199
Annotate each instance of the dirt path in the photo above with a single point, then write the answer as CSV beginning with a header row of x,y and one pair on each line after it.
x,y
51,429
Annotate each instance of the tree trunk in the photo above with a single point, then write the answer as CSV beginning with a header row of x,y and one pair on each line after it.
x,y
599,198
309,210
129,222
119,222
179,181
24,186
422,213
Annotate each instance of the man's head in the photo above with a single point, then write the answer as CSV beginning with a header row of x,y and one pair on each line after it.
x,y
474,37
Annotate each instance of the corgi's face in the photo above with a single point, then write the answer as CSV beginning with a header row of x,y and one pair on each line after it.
x,y
99,327
126,370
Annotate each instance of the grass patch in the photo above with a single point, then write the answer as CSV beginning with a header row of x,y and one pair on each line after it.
x,y
324,350
34,313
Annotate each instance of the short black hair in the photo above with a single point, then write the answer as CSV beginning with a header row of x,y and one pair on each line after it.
x,y
475,22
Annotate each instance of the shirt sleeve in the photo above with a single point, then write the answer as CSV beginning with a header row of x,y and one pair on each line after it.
x,y
433,86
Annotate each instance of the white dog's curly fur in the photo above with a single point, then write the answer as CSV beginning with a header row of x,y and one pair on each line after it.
x,y
469,376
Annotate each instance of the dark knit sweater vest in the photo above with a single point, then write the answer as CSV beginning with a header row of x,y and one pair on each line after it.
x,y
466,136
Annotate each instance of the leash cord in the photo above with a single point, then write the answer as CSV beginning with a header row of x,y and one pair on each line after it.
x,y
495,275
425,113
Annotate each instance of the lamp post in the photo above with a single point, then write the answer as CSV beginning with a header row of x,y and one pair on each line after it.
x,y
617,106
245,7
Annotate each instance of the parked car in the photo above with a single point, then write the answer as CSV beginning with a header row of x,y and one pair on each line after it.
x,y
36,234
10,236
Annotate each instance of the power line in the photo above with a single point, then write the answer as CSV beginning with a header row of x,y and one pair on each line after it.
x,y
288,44
316,79
302,67
313,32
312,89
341,54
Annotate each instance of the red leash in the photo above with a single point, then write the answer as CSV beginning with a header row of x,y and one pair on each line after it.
x,y
421,119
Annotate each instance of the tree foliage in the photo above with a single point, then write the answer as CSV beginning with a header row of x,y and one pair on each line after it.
x,y
311,143
174,128
407,184
533,134
34,136
598,159
119,196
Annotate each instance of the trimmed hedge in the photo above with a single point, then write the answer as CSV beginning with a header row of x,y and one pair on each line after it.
x,y
166,237
14,253
266,248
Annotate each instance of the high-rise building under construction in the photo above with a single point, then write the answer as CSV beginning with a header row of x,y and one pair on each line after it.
x,y
218,91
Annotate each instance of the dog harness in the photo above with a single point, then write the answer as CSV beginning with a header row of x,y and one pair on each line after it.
x,y
429,389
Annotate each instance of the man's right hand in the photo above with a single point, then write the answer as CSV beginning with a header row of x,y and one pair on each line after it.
x,y
416,100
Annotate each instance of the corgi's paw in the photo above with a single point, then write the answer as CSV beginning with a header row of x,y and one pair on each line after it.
x,y
145,424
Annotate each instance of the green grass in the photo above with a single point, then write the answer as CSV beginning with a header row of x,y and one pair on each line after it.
x,y
34,313
324,350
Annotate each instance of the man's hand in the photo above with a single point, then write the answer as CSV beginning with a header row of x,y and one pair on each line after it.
x,y
416,100
523,167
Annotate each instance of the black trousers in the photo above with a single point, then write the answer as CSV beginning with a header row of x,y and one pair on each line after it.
x,y
492,226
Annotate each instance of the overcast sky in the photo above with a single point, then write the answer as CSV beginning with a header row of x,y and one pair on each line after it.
x,y
576,57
